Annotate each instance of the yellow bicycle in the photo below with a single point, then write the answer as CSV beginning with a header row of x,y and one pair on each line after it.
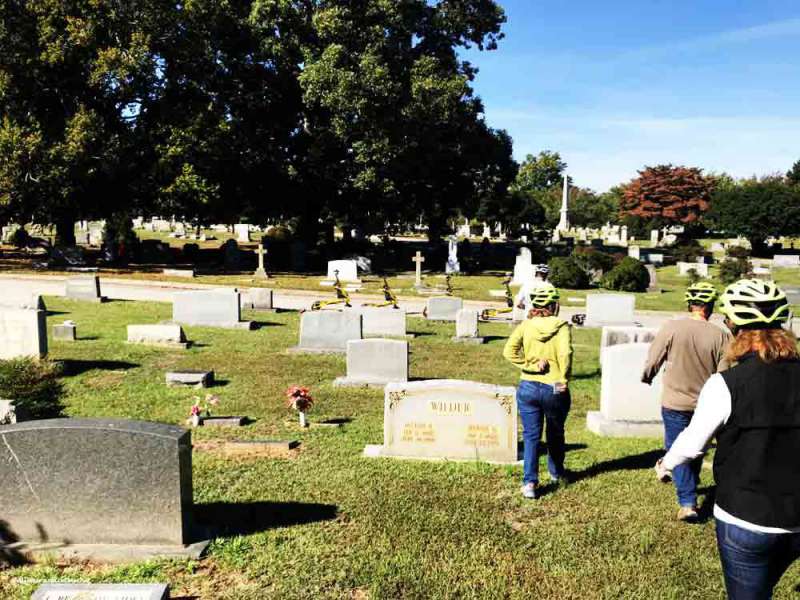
x,y
389,296
491,313
342,296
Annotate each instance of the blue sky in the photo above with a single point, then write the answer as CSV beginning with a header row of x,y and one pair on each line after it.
x,y
620,84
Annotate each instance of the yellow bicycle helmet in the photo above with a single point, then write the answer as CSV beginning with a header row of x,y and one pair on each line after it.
x,y
702,292
544,296
755,303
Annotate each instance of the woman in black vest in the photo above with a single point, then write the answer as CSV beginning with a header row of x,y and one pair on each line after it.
x,y
754,410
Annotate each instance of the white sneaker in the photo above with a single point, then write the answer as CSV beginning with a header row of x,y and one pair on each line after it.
x,y
529,491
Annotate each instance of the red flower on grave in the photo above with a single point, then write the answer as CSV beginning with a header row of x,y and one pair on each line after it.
x,y
299,398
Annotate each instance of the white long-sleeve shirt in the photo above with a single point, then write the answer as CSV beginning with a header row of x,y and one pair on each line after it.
x,y
524,294
713,411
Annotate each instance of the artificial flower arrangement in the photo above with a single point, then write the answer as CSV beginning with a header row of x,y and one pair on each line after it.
x,y
299,398
202,408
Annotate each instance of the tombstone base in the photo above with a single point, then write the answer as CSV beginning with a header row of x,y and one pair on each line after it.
x,y
222,421
108,553
598,424
350,286
174,345
246,325
300,350
361,382
379,451
468,340
260,274
197,379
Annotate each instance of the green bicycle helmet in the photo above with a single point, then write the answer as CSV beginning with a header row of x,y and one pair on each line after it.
x,y
702,292
755,304
544,296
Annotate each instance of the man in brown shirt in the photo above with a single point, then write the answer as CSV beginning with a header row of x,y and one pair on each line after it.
x,y
693,349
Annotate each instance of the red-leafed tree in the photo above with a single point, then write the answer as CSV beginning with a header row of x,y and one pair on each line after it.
x,y
666,194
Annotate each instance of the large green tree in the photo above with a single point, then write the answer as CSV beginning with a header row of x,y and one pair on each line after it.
x,y
70,71
756,209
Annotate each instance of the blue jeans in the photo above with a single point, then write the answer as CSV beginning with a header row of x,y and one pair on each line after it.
x,y
687,476
753,563
538,404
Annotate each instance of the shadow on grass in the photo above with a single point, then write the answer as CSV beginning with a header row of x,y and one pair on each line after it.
x,y
263,324
9,556
488,339
634,462
76,367
590,375
230,519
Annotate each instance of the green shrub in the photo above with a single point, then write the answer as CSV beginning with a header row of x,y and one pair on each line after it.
x,y
737,252
566,272
278,234
593,259
20,238
628,276
33,386
689,251
734,269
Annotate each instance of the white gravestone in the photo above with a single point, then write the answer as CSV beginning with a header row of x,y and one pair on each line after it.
x,y
634,252
609,309
443,308
328,330
449,419
15,298
348,271
614,336
168,335
452,265
86,288
383,321
700,268
786,260
258,299
23,333
209,308
467,326
375,362
653,285
242,231
655,258
523,268
101,591
628,407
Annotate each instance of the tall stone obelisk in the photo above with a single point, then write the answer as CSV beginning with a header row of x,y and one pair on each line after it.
x,y
563,224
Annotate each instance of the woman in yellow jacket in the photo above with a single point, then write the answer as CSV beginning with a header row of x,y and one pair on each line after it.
x,y
541,347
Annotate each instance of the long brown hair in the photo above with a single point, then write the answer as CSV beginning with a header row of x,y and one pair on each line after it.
x,y
771,345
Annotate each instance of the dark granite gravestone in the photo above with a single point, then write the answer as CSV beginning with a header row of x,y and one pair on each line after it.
x,y
96,481
231,256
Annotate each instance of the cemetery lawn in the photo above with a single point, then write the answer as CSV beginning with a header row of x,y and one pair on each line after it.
x,y
328,523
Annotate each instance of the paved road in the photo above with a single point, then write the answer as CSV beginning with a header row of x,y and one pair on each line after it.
x,y
160,291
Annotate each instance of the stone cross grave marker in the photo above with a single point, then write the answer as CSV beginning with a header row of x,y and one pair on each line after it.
x,y
375,362
418,260
449,419
261,272
628,407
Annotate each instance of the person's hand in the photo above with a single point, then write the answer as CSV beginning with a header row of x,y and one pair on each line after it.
x,y
542,366
663,474
560,387
521,305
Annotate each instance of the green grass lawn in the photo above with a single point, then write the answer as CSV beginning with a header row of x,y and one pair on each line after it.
x,y
337,525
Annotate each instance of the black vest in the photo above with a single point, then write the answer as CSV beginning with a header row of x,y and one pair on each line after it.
x,y
757,464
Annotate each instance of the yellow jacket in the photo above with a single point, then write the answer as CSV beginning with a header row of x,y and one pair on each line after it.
x,y
541,338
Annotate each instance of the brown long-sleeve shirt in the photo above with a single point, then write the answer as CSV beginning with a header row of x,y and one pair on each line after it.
x,y
692,350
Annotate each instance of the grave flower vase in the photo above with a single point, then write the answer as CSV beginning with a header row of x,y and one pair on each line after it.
x,y
303,422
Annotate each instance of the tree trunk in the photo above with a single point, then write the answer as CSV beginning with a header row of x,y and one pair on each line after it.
x,y
65,231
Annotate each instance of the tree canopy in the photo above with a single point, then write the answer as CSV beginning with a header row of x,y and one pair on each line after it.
x,y
666,194
756,208
351,111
